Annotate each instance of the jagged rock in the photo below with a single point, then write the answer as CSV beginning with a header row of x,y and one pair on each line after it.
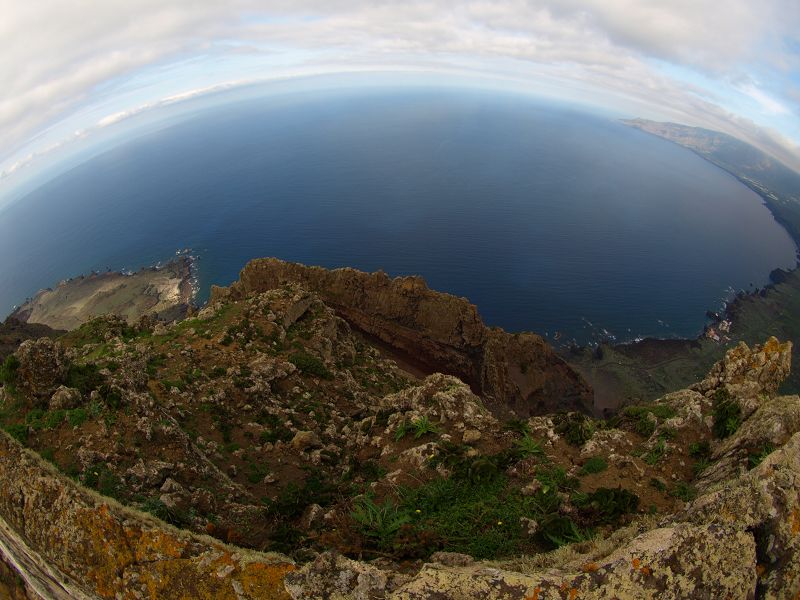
x,y
771,425
471,436
442,398
42,367
334,577
64,398
303,440
745,371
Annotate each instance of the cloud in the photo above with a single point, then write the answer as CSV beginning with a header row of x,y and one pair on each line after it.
x,y
60,57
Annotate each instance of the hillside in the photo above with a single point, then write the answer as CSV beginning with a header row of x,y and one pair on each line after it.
x,y
275,420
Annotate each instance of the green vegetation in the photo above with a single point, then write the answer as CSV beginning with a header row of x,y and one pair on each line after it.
x,y
656,453
727,414
576,427
8,370
607,505
683,491
309,364
646,417
595,464
101,478
526,446
85,378
756,458
173,515
418,427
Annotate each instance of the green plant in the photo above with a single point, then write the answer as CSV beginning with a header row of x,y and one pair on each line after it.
x,y
8,369
85,378
557,530
554,478
519,425
379,521
309,365
656,453
77,417
701,465
171,515
646,417
526,446
658,484
419,427
576,427
607,505
700,449
727,414
595,464
756,458
683,491
101,478
18,432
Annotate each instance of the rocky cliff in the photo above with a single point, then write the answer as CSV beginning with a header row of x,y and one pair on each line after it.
x,y
266,422
440,332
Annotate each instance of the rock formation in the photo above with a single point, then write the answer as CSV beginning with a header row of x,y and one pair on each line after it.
x,y
442,332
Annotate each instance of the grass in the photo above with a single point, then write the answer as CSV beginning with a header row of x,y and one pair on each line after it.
x,y
526,446
593,465
653,456
85,378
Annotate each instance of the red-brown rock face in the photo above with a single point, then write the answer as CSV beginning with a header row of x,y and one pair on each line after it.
x,y
438,331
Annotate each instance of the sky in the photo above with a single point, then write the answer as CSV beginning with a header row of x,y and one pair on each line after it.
x,y
71,71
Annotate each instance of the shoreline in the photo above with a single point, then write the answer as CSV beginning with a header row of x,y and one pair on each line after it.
x,y
167,291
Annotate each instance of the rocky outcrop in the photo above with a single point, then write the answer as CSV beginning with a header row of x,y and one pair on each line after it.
x,y
42,366
91,547
739,539
437,331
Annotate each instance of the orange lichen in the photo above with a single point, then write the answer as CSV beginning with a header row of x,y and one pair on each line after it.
x,y
535,594
646,570
636,563
760,570
573,593
795,521
590,567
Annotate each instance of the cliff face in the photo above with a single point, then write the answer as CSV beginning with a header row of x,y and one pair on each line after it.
x,y
438,331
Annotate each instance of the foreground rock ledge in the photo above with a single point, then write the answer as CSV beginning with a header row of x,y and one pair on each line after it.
x,y
72,543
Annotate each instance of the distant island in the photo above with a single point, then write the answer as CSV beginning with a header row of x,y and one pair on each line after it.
x,y
163,292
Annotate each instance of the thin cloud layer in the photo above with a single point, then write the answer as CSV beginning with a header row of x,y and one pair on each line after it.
x,y
730,66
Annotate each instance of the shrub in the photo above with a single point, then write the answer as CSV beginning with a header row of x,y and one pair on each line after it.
x,y
576,428
18,432
85,378
526,446
756,458
727,414
309,365
607,505
654,455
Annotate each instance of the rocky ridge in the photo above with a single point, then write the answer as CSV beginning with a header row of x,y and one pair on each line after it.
x,y
443,333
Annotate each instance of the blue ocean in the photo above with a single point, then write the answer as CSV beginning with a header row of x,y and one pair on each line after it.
x,y
548,218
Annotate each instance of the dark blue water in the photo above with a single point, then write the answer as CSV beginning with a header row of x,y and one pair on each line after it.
x,y
546,218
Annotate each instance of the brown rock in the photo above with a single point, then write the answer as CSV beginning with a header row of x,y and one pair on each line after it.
x,y
436,331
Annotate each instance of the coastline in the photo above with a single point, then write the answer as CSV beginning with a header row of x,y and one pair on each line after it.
x,y
644,369
165,291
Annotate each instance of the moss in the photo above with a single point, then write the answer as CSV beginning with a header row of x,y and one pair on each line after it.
x,y
576,428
